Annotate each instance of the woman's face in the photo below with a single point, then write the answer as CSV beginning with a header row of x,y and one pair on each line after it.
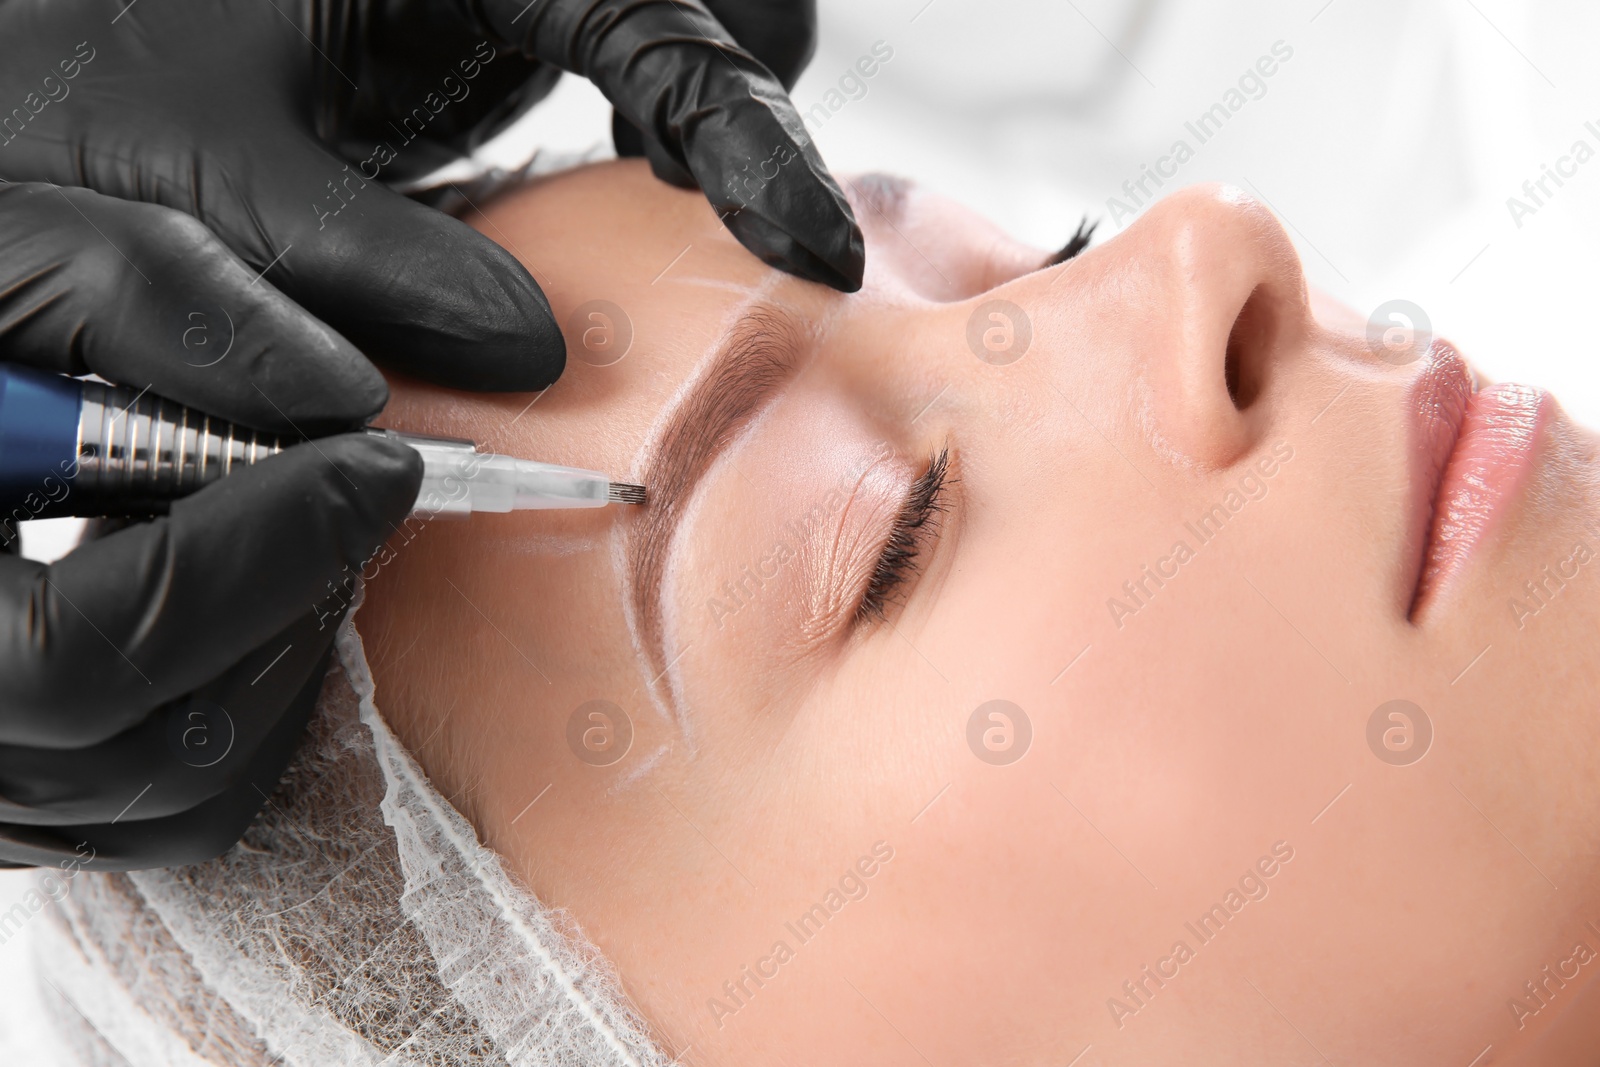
x,y
1093,743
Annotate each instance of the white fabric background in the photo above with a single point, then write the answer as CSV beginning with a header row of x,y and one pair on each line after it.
x,y
1388,144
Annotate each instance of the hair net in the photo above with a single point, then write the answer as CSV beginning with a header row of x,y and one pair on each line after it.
x,y
359,921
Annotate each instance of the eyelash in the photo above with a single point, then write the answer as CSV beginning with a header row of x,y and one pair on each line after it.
x,y
1076,243
914,524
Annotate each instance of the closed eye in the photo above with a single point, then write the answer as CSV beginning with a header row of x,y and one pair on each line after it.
x,y
916,524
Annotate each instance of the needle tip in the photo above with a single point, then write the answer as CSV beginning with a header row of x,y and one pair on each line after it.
x,y
626,493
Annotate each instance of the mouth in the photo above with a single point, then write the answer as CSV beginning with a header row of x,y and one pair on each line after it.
x,y
1472,454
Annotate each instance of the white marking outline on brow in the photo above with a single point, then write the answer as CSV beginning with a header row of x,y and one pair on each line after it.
x,y
648,448
816,330
670,616
644,767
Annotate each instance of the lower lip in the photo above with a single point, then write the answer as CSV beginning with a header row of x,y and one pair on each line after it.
x,y
1493,457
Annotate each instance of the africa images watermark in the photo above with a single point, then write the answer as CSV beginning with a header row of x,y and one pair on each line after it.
x,y
1539,992
52,491
744,589
1252,887
852,886
999,732
603,333
52,89
451,90
1252,85
851,85
52,888
1537,192
451,490
1140,590
599,732
1540,592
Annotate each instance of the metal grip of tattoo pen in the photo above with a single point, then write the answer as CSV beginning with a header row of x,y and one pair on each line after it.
x,y
74,447
135,449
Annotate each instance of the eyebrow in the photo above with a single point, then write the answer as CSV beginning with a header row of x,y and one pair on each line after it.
x,y
759,355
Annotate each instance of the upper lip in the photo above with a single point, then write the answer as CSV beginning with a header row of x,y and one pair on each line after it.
x,y
1437,402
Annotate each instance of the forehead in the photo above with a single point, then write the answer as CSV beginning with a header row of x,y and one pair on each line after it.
x,y
640,276
611,225
644,279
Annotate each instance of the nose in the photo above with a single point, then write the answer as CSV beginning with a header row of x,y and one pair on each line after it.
x,y
1218,285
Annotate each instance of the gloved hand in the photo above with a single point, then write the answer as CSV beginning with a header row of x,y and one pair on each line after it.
x,y
277,125
156,681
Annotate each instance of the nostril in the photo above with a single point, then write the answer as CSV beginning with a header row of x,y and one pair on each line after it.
x,y
1245,363
1230,317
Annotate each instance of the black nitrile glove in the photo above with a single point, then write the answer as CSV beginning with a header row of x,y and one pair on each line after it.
x,y
154,683
277,125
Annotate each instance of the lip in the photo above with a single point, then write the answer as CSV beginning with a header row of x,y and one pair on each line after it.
x,y
1472,454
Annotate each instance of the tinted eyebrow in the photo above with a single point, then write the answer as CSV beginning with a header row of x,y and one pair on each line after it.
x,y
759,355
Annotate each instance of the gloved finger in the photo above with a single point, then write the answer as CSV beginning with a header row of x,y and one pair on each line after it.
x,y
91,644
672,70
147,296
182,755
418,69
632,142
418,290
195,835
443,143
781,34
402,282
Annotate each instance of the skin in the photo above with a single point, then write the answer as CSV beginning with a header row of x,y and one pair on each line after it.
x,y
1173,748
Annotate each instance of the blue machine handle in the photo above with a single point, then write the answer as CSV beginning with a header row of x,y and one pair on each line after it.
x,y
38,437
